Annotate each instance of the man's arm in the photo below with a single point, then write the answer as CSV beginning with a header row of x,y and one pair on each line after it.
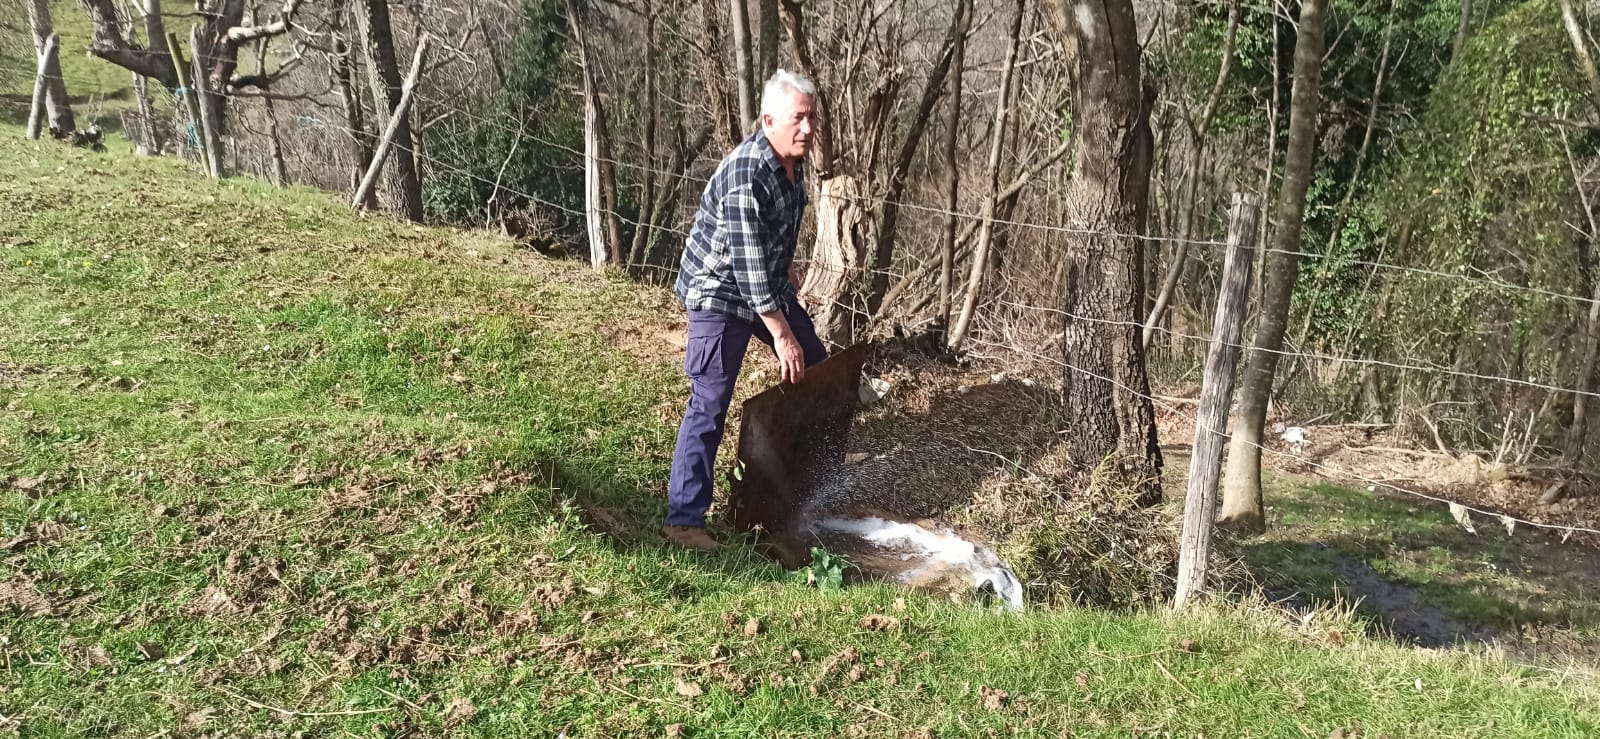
x,y
747,238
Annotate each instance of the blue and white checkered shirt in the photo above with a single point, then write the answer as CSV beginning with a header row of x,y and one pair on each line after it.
x,y
738,255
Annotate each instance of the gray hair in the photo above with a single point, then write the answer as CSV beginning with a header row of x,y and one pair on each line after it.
x,y
782,82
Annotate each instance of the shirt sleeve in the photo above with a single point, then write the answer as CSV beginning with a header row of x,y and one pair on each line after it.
x,y
747,238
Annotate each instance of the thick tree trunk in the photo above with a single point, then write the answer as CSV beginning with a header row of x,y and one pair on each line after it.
x,y
739,18
380,42
715,75
57,105
1241,495
1113,422
210,109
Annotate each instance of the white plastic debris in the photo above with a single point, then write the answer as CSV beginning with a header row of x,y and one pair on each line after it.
x,y
1295,437
1510,524
873,389
1462,516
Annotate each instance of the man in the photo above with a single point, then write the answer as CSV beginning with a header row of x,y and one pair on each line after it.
x,y
737,281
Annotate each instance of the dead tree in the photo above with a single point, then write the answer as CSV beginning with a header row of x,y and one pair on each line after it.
x,y
1113,421
1241,495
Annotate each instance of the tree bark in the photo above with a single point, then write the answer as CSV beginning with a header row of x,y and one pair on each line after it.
x,y
1241,502
1113,422
769,40
739,19
361,143
57,105
883,255
381,45
41,87
647,140
1463,20
715,75
280,173
980,254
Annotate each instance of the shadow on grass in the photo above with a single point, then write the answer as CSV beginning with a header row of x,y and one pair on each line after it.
x,y
1418,575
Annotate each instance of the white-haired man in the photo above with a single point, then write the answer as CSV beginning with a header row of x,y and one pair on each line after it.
x,y
737,281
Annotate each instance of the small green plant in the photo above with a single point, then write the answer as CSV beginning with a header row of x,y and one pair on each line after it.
x,y
826,570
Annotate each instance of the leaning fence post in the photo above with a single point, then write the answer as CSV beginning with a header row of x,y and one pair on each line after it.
x,y
190,100
1216,395
52,47
402,109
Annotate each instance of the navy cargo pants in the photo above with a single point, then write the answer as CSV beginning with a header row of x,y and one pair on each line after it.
x,y
716,349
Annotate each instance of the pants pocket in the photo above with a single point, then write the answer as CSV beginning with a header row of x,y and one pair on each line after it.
x,y
703,356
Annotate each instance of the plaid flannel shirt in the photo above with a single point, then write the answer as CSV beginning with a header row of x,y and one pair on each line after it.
x,y
738,255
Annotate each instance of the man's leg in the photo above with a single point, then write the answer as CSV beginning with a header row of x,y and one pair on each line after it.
x,y
715,352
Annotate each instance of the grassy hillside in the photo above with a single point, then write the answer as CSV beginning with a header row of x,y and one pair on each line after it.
x,y
269,467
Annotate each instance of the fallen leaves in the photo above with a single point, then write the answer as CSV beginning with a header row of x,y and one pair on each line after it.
x,y
459,711
994,699
752,627
879,622
689,689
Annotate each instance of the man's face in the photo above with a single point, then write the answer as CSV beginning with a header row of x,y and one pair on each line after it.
x,y
788,127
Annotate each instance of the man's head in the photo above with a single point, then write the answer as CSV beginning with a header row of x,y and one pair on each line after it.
x,y
786,113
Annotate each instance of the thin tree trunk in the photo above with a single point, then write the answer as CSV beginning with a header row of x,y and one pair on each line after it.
x,y
980,255
650,114
769,40
1578,432
668,194
1341,212
361,143
1112,427
952,200
883,256
608,184
381,43
593,222
1581,49
715,74
280,175
739,18
1198,134
1461,32
191,101
56,102
1241,502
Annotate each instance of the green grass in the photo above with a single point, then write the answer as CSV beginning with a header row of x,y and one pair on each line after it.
x,y
271,453
1494,582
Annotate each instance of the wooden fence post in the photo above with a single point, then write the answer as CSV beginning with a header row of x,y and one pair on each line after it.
x,y
400,112
1216,395
52,47
210,130
189,100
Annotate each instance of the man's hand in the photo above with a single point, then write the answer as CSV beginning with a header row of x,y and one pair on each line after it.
x,y
791,358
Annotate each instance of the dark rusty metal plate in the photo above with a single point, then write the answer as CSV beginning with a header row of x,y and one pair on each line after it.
x,y
792,441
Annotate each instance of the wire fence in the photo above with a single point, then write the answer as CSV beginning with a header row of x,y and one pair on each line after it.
x,y
1056,315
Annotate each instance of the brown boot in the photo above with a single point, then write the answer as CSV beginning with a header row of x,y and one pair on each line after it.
x,y
691,537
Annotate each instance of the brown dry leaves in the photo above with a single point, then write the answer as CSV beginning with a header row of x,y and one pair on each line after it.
x,y
459,711
879,622
994,699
